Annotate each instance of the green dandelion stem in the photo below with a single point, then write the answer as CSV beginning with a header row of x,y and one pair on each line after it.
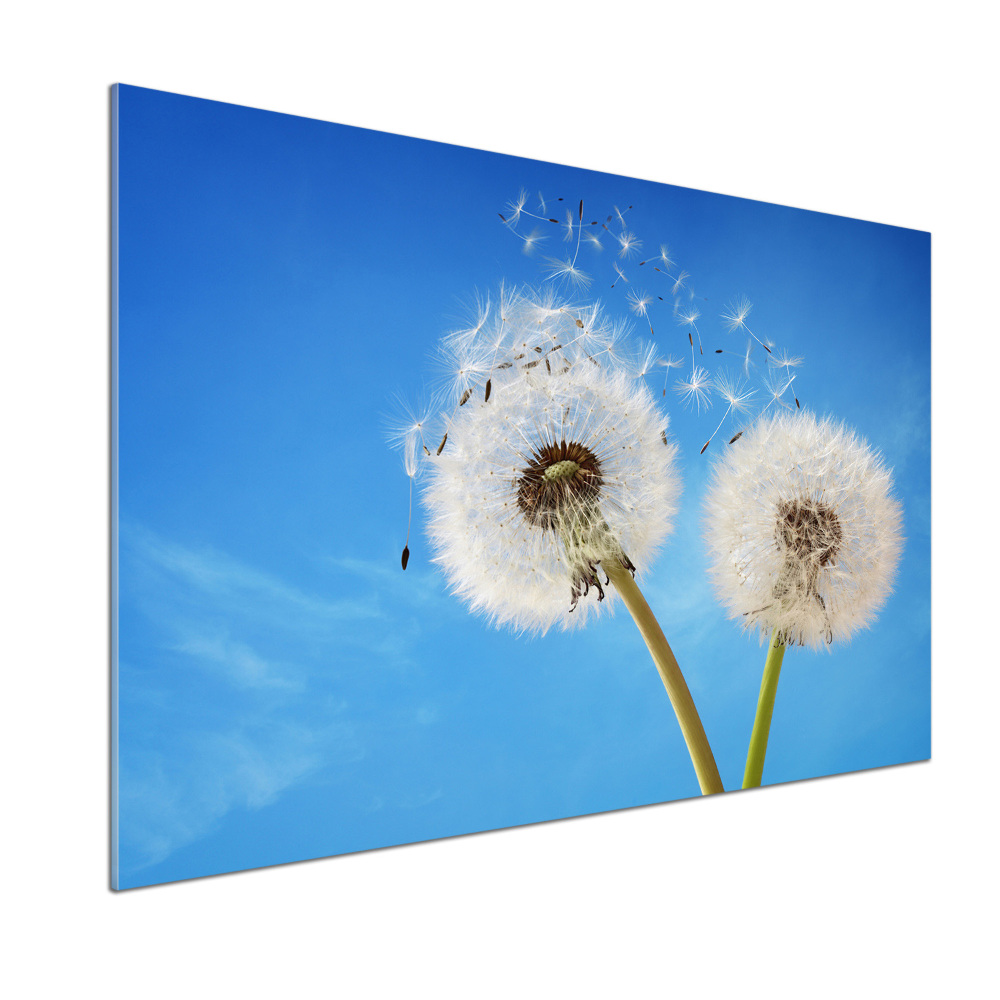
x,y
670,674
765,708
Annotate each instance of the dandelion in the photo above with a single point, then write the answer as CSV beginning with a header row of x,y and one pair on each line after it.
x,y
558,473
805,537
562,483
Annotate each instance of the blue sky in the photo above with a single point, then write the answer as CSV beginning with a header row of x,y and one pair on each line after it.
x,y
284,690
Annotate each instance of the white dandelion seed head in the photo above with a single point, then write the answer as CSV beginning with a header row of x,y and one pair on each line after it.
x,y
564,465
803,529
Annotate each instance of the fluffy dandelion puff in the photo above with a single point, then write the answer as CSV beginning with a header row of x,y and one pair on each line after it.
x,y
565,466
803,530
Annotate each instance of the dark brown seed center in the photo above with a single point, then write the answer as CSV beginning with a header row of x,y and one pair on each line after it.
x,y
560,478
809,529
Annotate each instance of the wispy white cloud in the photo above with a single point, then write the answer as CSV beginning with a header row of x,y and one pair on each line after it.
x,y
177,794
239,662
243,686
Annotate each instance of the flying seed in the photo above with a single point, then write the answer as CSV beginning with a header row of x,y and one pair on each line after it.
x,y
537,350
736,437
556,221
704,446
406,555
426,452
501,217
798,405
663,434
506,364
718,350
489,385
579,322
465,397
442,444
581,210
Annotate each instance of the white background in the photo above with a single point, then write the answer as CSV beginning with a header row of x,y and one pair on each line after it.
x,y
876,884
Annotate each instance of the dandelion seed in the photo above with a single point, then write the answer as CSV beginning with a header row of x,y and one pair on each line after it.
x,y
668,363
531,241
628,244
515,208
735,318
690,319
777,385
784,361
734,391
566,269
638,301
695,390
